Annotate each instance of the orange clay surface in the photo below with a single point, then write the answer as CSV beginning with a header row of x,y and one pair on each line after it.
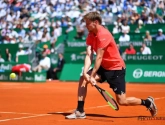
x,y
48,103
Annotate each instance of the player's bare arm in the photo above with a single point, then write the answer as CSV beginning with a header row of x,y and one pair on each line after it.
x,y
88,62
100,53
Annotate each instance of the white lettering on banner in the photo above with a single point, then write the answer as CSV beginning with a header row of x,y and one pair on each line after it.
x,y
138,73
139,43
73,57
28,78
76,44
154,74
5,67
144,57
39,78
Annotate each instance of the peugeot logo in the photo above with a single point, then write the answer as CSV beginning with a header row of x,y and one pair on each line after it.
x,y
137,73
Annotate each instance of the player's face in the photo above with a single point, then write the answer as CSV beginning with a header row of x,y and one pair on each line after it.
x,y
90,25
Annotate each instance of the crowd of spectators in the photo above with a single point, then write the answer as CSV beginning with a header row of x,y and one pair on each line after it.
x,y
34,21
39,15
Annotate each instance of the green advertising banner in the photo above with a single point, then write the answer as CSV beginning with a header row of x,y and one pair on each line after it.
x,y
134,73
7,66
26,77
75,57
145,73
71,72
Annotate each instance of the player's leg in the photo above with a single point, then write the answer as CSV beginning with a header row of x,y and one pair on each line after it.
x,y
82,92
118,85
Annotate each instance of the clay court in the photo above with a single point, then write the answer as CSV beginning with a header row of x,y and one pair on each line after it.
x,y
48,103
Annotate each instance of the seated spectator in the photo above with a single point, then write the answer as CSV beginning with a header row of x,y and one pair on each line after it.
x,y
117,28
44,64
70,28
147,37
46,50
52,73
145,50
140,26
1,59
160,36
28,51
20,52
124,37
8,55
125,27
80,29
130,50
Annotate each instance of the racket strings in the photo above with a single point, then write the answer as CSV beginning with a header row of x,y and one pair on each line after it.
x,y
109,99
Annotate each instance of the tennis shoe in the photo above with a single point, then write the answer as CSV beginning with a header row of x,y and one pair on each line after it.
x,y
152,108
76,115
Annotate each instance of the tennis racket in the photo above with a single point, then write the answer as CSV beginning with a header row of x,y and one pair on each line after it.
x,y
108,97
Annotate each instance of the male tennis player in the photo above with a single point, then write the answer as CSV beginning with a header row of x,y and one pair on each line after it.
x,y
108,66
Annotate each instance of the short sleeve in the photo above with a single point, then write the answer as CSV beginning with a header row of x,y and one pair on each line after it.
x,y
103,41
88,40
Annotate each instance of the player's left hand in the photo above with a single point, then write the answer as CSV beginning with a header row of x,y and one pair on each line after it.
x,y
92,80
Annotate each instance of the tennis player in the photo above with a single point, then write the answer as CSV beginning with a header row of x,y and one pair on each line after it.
x,y
108,66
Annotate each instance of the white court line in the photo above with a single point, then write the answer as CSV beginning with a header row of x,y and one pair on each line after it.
x,y
40,115
19,118
17,113
159,98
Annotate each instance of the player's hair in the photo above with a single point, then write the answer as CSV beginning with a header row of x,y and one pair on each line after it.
x,y
93,16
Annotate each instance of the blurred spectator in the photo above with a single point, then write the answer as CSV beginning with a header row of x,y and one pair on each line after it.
x,y
125,27
28,51
8,55
70,27
46,50
1,59
52,73
147,37
124,37
130,50
44,64
160,36
20,52
140,26
80,29
145,50
117,28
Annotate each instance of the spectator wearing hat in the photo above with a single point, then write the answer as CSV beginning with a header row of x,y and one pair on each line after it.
x,y
46,50
160,36
140,27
